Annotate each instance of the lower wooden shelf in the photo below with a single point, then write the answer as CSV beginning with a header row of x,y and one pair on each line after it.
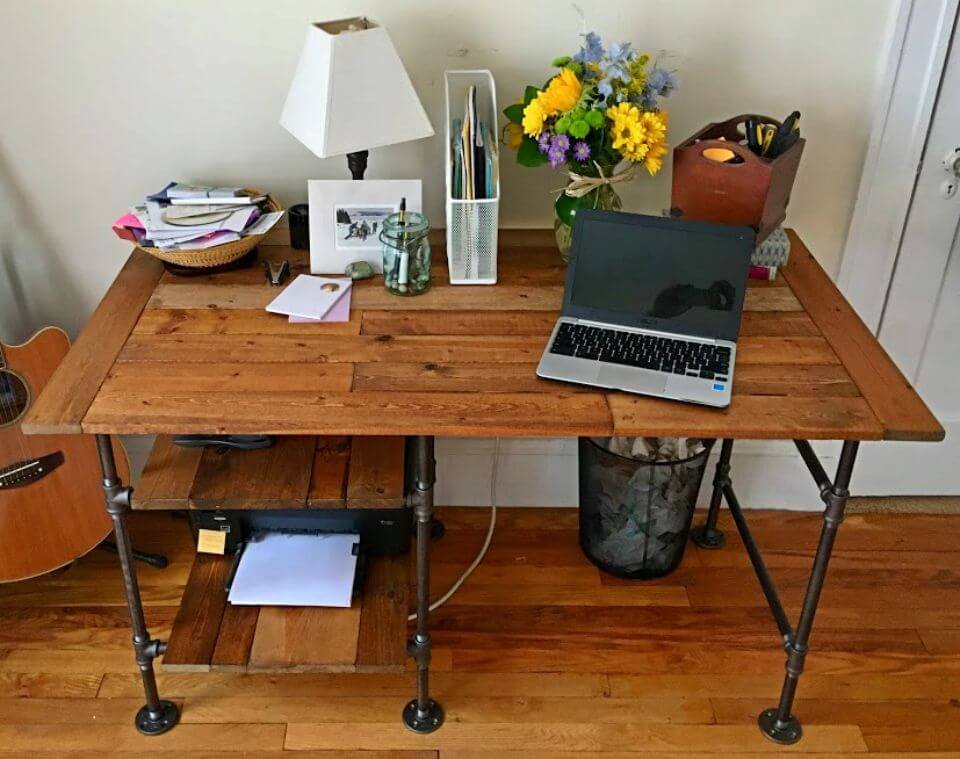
x,y
210,634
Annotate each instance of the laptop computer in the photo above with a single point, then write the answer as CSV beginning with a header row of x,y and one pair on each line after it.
x,y
652,306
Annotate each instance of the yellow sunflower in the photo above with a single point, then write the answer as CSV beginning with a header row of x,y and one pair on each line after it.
x,y
562,93
533,118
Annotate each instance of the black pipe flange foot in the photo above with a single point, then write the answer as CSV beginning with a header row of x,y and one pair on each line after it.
x,y
784,733
416,722
708,537
158,722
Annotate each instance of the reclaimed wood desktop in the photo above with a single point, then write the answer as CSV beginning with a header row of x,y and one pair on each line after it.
x,y
165,354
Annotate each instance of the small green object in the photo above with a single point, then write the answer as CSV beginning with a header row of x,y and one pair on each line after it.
x,y
562,126
595,118
561,61
566,208
579,129
529,94
359,270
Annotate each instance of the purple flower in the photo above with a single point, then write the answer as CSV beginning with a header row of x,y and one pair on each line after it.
x,y
581,151
557,157
561,142
543,142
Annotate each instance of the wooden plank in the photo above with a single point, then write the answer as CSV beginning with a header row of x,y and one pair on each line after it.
x,y
748,416
796,380
235,639
538,323
578,736
195,630
283,349
206,321
559,413
897,406
277,477
491,351
376,473
238,377
382,638
295,638
328,480
755,323
61,406
455,378
167,476
777,324
59,739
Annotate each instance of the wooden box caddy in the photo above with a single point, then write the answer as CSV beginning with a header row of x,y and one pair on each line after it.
x,y
753,191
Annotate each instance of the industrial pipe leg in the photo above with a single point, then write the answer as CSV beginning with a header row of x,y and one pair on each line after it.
x,y
156,716
707,535
423,714
779,724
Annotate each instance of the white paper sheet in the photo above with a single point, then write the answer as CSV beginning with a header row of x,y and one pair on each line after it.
x,y
296,570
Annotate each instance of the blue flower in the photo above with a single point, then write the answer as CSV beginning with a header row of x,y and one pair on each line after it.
x,y
605,88
581,150
661,81
592,50
620,52
543,142
560,142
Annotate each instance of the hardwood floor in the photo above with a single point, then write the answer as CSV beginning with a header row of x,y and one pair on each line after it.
x,y
537,656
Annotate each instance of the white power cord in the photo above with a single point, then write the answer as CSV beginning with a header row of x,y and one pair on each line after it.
x,y
486,543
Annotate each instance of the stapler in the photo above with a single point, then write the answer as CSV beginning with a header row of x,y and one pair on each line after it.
x,y
276,272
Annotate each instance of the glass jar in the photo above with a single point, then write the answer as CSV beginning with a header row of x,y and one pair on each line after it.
x,y
406,253
604,198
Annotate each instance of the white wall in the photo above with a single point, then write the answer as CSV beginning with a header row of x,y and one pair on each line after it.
x,y
104,100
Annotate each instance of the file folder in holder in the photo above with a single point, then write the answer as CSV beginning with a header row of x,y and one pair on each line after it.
x,y
472,221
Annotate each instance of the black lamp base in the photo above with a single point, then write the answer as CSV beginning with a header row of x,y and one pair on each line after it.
x,y
357,163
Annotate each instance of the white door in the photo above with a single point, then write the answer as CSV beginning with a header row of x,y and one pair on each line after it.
x,y
920,325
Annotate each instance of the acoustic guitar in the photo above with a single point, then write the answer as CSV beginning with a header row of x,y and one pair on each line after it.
x,y
51,502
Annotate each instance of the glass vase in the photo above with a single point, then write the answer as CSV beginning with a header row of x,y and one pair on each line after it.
x,y
604,198
406,253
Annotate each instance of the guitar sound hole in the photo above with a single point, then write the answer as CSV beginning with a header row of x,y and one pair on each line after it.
x,y
14,397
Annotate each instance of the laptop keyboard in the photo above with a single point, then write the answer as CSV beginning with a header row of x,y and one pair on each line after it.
x,y
662,354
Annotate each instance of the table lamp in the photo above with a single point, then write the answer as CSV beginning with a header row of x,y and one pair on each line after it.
x,y
351,93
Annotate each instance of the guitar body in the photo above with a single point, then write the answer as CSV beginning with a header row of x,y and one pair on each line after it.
x,y
51,500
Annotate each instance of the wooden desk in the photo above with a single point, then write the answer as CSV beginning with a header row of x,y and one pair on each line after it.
x,y
164,354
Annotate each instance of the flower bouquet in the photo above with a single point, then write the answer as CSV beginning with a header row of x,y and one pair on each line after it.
x,y
599,117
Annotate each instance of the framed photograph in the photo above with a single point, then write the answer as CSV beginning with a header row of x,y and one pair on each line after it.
x,y
346,217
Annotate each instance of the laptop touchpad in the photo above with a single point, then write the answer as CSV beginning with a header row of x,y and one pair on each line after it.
x,y
626,378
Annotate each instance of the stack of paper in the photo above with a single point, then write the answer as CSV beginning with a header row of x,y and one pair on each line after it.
x,y
296,570
192,217
474,152
310,298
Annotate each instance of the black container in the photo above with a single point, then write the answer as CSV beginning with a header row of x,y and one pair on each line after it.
x,y
299,220
635,515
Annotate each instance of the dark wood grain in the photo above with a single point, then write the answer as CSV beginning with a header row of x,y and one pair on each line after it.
x,y
277,477
382,639
376,473
235,638
167,476
197,625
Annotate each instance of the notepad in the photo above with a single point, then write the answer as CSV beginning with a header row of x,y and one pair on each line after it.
x,y
283,569
310,297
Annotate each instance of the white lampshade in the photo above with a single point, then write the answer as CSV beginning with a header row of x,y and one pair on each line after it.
x,y
351,91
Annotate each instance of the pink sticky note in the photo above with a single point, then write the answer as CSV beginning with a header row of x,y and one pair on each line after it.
x,y
339,312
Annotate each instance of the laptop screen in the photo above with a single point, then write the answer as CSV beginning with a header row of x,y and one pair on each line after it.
x,y
644,271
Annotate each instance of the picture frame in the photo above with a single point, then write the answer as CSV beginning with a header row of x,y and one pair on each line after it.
x,y
346,217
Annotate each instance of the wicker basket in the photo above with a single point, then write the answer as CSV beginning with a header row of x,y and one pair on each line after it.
x,y
218,255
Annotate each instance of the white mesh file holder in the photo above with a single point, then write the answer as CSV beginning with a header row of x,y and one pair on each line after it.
x,y
472,224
